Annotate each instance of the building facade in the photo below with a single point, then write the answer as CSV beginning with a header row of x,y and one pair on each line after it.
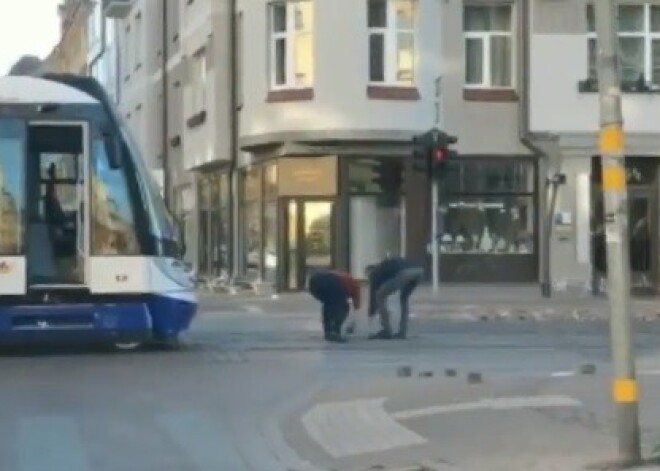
x,y
205,27
287,145
326,121
490,229
566,105
70,54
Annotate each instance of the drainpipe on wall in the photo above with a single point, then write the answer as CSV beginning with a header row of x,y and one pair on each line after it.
x,y
165,124
551,156
234,134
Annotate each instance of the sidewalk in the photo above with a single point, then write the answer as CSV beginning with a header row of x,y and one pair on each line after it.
x,y
462,303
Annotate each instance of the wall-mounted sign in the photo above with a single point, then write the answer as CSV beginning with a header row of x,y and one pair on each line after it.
x,y
307,176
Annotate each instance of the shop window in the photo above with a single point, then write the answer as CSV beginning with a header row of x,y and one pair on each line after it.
x,y
488,208
375,211
252,224
213,224
488,225
270,223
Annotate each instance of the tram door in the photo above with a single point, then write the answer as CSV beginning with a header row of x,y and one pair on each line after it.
x,y
56,231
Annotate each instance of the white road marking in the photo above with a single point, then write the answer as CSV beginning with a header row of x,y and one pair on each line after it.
x,y
363,426
209,443
356,427
651,372
253,308
505,403
50,443
563,374
569,374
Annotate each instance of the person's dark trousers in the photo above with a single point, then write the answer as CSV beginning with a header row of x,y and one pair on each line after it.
x,y
327,289
334,315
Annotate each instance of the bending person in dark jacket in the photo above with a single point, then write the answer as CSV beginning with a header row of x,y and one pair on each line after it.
x,y
385,279
333,289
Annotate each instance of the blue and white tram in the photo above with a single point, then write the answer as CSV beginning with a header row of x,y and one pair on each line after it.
x,y
88,249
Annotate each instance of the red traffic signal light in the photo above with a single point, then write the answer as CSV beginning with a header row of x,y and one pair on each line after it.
x,y
439,156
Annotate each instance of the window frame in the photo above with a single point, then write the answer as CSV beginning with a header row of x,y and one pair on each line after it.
x,y
647,35
128,57
288,35
390,41
486,39
198,85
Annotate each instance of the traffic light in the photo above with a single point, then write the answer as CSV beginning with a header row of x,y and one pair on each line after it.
x,y
388,177
431,152
442,153
420,155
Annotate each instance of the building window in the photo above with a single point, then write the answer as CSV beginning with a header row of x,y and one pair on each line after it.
x,y
487,220
391,25
139,40
95,31
639,43
488,208
111,64
291,44
128,56
198,85
488,46
214,224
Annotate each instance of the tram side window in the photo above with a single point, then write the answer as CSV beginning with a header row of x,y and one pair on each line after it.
x,y
113,219
12,135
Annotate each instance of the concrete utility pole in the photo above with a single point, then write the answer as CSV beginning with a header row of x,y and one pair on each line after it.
x,y
611,144
435,255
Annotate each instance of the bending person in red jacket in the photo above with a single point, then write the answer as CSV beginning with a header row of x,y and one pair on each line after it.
x,y
332,289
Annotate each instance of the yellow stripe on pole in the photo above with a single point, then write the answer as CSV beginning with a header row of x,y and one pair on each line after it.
x,y
611,139
614,178
624,391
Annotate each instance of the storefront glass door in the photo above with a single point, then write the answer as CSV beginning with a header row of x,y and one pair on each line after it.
x,y
309,239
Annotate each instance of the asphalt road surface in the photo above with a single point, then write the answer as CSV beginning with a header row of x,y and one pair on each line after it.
x,y
255,388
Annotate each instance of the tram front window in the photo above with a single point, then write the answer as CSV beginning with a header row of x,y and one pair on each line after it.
x,y
161,221
113,230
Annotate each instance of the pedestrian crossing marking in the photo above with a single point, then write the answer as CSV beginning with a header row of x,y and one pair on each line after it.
x,y
50,444
208,443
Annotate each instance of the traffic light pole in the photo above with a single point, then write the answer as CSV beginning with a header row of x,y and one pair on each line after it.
x,y
435,256
611,144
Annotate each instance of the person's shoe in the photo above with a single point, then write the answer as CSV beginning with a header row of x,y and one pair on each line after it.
x,y
399,336
382,335
350,330
335,338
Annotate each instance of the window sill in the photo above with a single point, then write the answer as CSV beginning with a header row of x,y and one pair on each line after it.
x,y
491,95
196,119
389,92
634,88
290,94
